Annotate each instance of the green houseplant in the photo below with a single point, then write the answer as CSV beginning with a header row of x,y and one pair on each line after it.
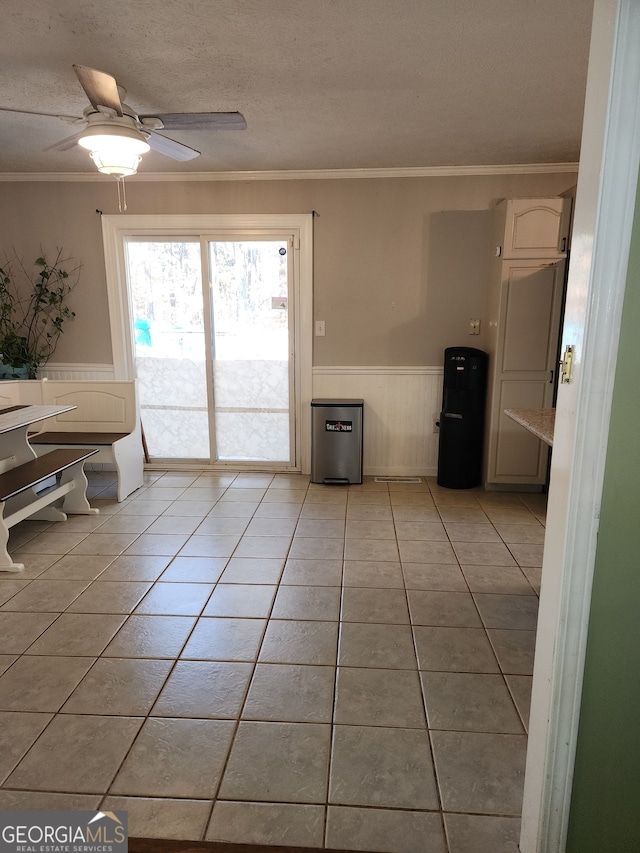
x,y
33,309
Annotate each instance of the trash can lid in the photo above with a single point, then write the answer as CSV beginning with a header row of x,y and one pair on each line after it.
x,y
335,402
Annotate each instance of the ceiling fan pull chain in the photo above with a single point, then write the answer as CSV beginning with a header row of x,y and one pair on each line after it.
x,y
122,194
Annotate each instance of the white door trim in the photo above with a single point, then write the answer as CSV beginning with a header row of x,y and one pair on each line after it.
x,y
115,228
605,206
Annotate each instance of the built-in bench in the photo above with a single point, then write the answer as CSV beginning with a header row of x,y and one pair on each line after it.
x,y
20,498
105,417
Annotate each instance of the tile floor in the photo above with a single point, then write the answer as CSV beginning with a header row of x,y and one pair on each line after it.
x,y
252,658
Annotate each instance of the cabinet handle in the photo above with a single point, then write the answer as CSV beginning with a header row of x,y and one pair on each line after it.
x,y
551,377
564,245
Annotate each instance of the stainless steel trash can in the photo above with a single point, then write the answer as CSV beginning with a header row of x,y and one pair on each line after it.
x,y
336,441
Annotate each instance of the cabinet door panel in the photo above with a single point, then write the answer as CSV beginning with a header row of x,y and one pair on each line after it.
x,y
528,317
519,454
536,228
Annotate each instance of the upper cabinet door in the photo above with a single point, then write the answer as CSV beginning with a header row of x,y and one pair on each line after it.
x,y
536,227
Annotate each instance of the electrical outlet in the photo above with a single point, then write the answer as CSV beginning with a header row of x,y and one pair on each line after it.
x,y
474,327
436,425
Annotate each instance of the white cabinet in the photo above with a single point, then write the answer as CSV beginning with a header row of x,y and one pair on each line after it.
x,y
533,227
524,311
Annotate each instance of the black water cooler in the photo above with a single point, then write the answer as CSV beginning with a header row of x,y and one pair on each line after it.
x,y
462,418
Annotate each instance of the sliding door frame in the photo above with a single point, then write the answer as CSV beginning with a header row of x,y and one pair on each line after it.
x,y
117,229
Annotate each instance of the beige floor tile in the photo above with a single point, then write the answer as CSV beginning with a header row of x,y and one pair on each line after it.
x,y
267,823
261,570
300,751
54,541
18,731
315,548
122,687
290,693
482,833
470,702
507,611
106,543
46,596
201,492
312,572
307,602
161,544
454,650
290,641
232,495
425,531
369,529
527,555
376,574
371,550
271,527
19,630
328,511
376,497
520,688
140,568
462,514
34,564
263,546
250,601
79,568
225,639
150,637
480,772
76,754
173,524
175,758
514,650
443,577
310,528
277,511
77,634
379,646
483,554
44,800
443,609
176,599
234,509
374,605
416,513
143,506
375,766
119,523
6,661
389,830
195,508
204,689
193,569
369,697
41,683
467,532
369,512
506,580
521,533
109,597
426,552
10,586
157,817
509,515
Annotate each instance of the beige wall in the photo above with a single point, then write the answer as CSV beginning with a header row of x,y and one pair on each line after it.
x,y
400,264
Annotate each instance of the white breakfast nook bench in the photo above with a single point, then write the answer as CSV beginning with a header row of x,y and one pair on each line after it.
x,y
100,414
29,484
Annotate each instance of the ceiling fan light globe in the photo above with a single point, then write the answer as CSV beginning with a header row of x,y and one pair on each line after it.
x,y
121,164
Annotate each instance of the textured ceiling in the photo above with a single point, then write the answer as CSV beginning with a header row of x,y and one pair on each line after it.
x,y
323,84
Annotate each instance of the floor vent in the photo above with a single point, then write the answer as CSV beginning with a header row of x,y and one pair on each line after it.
x,y
397,479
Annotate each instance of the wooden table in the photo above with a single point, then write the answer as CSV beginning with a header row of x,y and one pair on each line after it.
x,y
28,482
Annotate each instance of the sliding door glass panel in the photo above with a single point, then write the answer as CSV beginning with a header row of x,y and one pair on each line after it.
x,y
165,286
251,364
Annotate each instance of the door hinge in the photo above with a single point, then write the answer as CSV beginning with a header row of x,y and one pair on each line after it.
x,y
566,365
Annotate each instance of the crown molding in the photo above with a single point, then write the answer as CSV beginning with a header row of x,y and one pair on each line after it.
x,y
304,174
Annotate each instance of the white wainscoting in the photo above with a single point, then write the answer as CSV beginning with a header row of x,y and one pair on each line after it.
x,y
70,372
400,407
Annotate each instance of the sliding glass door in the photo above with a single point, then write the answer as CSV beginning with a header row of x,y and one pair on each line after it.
x,y
214,344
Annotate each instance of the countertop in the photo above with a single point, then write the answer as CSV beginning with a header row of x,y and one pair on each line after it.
x,y
540,422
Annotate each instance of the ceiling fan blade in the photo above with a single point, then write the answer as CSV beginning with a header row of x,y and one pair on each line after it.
x,y
65,144
201,121
171,148
100,88
69,119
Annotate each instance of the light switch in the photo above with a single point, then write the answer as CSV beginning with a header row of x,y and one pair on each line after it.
x,y
319,328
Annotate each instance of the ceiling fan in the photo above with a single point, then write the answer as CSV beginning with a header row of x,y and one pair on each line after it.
x,y
116,135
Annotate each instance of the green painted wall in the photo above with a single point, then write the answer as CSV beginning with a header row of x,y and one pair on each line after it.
x,y
605,803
